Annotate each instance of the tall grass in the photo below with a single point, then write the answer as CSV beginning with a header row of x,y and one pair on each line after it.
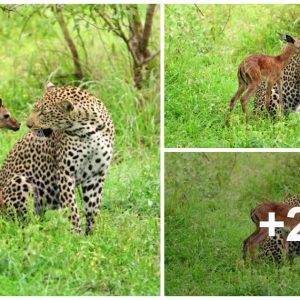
x,y
122,256
207,218
204,45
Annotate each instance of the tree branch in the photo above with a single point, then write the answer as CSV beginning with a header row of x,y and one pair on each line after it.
x,y
111,26
119,32
148,59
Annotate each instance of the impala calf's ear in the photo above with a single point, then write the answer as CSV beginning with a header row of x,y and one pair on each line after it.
x,y
287,38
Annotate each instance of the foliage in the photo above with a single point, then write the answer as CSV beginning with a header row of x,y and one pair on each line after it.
x,y
204,45
122,256
207,218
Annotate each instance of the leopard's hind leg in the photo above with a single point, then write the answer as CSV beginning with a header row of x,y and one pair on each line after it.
x,y
15,196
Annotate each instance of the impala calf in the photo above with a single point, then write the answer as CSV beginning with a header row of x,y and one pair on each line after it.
x,y
257,67
261,213
6,120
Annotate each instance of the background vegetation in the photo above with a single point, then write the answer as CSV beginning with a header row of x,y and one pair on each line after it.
x,y
122,256
207,218
204,45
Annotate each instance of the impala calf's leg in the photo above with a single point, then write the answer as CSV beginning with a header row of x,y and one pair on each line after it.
x,y
235,98
256,241
246,242
246,98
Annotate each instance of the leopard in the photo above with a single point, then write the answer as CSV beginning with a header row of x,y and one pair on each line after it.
x,y
290,91
273,248
69,145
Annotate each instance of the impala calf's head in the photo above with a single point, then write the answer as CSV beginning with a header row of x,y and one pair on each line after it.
x,y
295,42
6,120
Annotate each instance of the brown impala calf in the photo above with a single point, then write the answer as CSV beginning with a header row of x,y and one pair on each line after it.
x,y
257,67
6,120
261,213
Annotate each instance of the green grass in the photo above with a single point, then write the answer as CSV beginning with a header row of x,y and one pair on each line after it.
x,y
122,256
203,48
207,218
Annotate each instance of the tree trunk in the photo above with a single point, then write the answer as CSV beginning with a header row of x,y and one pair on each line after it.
x,y
76,60
139,41
138,76
147,30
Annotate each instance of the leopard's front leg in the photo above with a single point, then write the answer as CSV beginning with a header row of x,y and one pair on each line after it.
x,y
67,197
92,196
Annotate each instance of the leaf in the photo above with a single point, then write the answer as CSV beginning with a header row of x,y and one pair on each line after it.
x,y
113,48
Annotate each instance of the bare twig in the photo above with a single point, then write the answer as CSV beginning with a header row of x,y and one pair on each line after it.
x,y
199,10
111,26
205,156
8,8
227,20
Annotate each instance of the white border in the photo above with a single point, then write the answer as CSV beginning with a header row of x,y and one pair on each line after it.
x,y
191,150
222,150
161,2
162,151
8,2
229,2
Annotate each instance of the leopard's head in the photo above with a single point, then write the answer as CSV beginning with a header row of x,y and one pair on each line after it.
x,y
56,110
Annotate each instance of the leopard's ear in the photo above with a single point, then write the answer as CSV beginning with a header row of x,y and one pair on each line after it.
x,y
49,86
66,105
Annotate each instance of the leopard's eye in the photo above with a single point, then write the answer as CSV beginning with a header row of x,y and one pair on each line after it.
x,y
42,111
36,109
45,111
